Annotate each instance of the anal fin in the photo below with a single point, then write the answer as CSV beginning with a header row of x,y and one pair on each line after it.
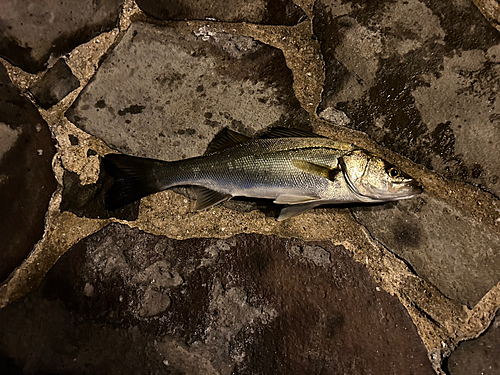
x,y
206,198
297,209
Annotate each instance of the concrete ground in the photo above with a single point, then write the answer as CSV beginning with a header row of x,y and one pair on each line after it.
x,y
411,287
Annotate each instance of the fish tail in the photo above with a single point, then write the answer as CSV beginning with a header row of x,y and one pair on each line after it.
x,y
134,177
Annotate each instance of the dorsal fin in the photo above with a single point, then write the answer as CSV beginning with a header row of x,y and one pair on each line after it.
x,y
281,132
224,139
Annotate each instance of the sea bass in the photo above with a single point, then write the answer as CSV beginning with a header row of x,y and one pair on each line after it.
x,y
295,168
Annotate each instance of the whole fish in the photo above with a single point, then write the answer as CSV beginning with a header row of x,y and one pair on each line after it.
x,y
293,167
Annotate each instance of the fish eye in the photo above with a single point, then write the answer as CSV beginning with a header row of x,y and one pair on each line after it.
x,y
393,172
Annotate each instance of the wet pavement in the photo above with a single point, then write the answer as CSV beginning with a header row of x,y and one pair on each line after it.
x,y
400,288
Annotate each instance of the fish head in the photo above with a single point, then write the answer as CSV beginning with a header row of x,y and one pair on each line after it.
x,y
373,179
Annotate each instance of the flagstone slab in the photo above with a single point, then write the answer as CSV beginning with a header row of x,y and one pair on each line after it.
x,y
32,31
454,252
417,81
165,91
272,12
250,304
58,82
478,356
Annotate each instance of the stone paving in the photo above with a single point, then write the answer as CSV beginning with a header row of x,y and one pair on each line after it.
x,y
411,287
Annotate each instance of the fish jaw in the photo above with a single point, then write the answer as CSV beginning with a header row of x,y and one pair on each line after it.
x,y
373,179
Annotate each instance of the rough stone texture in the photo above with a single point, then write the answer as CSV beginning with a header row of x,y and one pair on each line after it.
x,y
417,81
31,32
276,12
26,178
436,240
123,301
479,356
192,84
491,10
58,82
88,200
250,304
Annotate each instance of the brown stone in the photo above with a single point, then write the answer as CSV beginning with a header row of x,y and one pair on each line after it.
x,y
478,356
250,304
277,12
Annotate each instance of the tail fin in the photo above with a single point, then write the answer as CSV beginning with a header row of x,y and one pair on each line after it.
x,y
134,177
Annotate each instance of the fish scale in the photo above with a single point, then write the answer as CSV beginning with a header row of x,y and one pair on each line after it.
x,y
263,168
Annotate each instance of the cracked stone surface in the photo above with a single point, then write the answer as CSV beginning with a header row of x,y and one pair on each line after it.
x,y
30,33
154,287
212,80
88,200
478,356
425,87
26,177
223,303
278,12
436,239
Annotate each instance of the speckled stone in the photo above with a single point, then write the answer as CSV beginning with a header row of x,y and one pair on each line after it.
x,y
193,83
26,178
250,304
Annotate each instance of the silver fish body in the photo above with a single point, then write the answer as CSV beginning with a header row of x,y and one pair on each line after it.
x,y
301,172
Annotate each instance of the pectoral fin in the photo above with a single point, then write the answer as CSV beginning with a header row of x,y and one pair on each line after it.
x,y
294,210
206,198
316,169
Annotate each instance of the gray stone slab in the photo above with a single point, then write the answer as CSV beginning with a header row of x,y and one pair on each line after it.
x,y
26,178
56,83
250,304
457,254
164,92
31,31
417,81
478,356
273,12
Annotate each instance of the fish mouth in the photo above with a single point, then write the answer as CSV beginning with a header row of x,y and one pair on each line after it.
x,y
407,189
414,186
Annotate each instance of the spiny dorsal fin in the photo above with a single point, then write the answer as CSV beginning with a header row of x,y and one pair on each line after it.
x,y
224,139
280,132
316,169
206,198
